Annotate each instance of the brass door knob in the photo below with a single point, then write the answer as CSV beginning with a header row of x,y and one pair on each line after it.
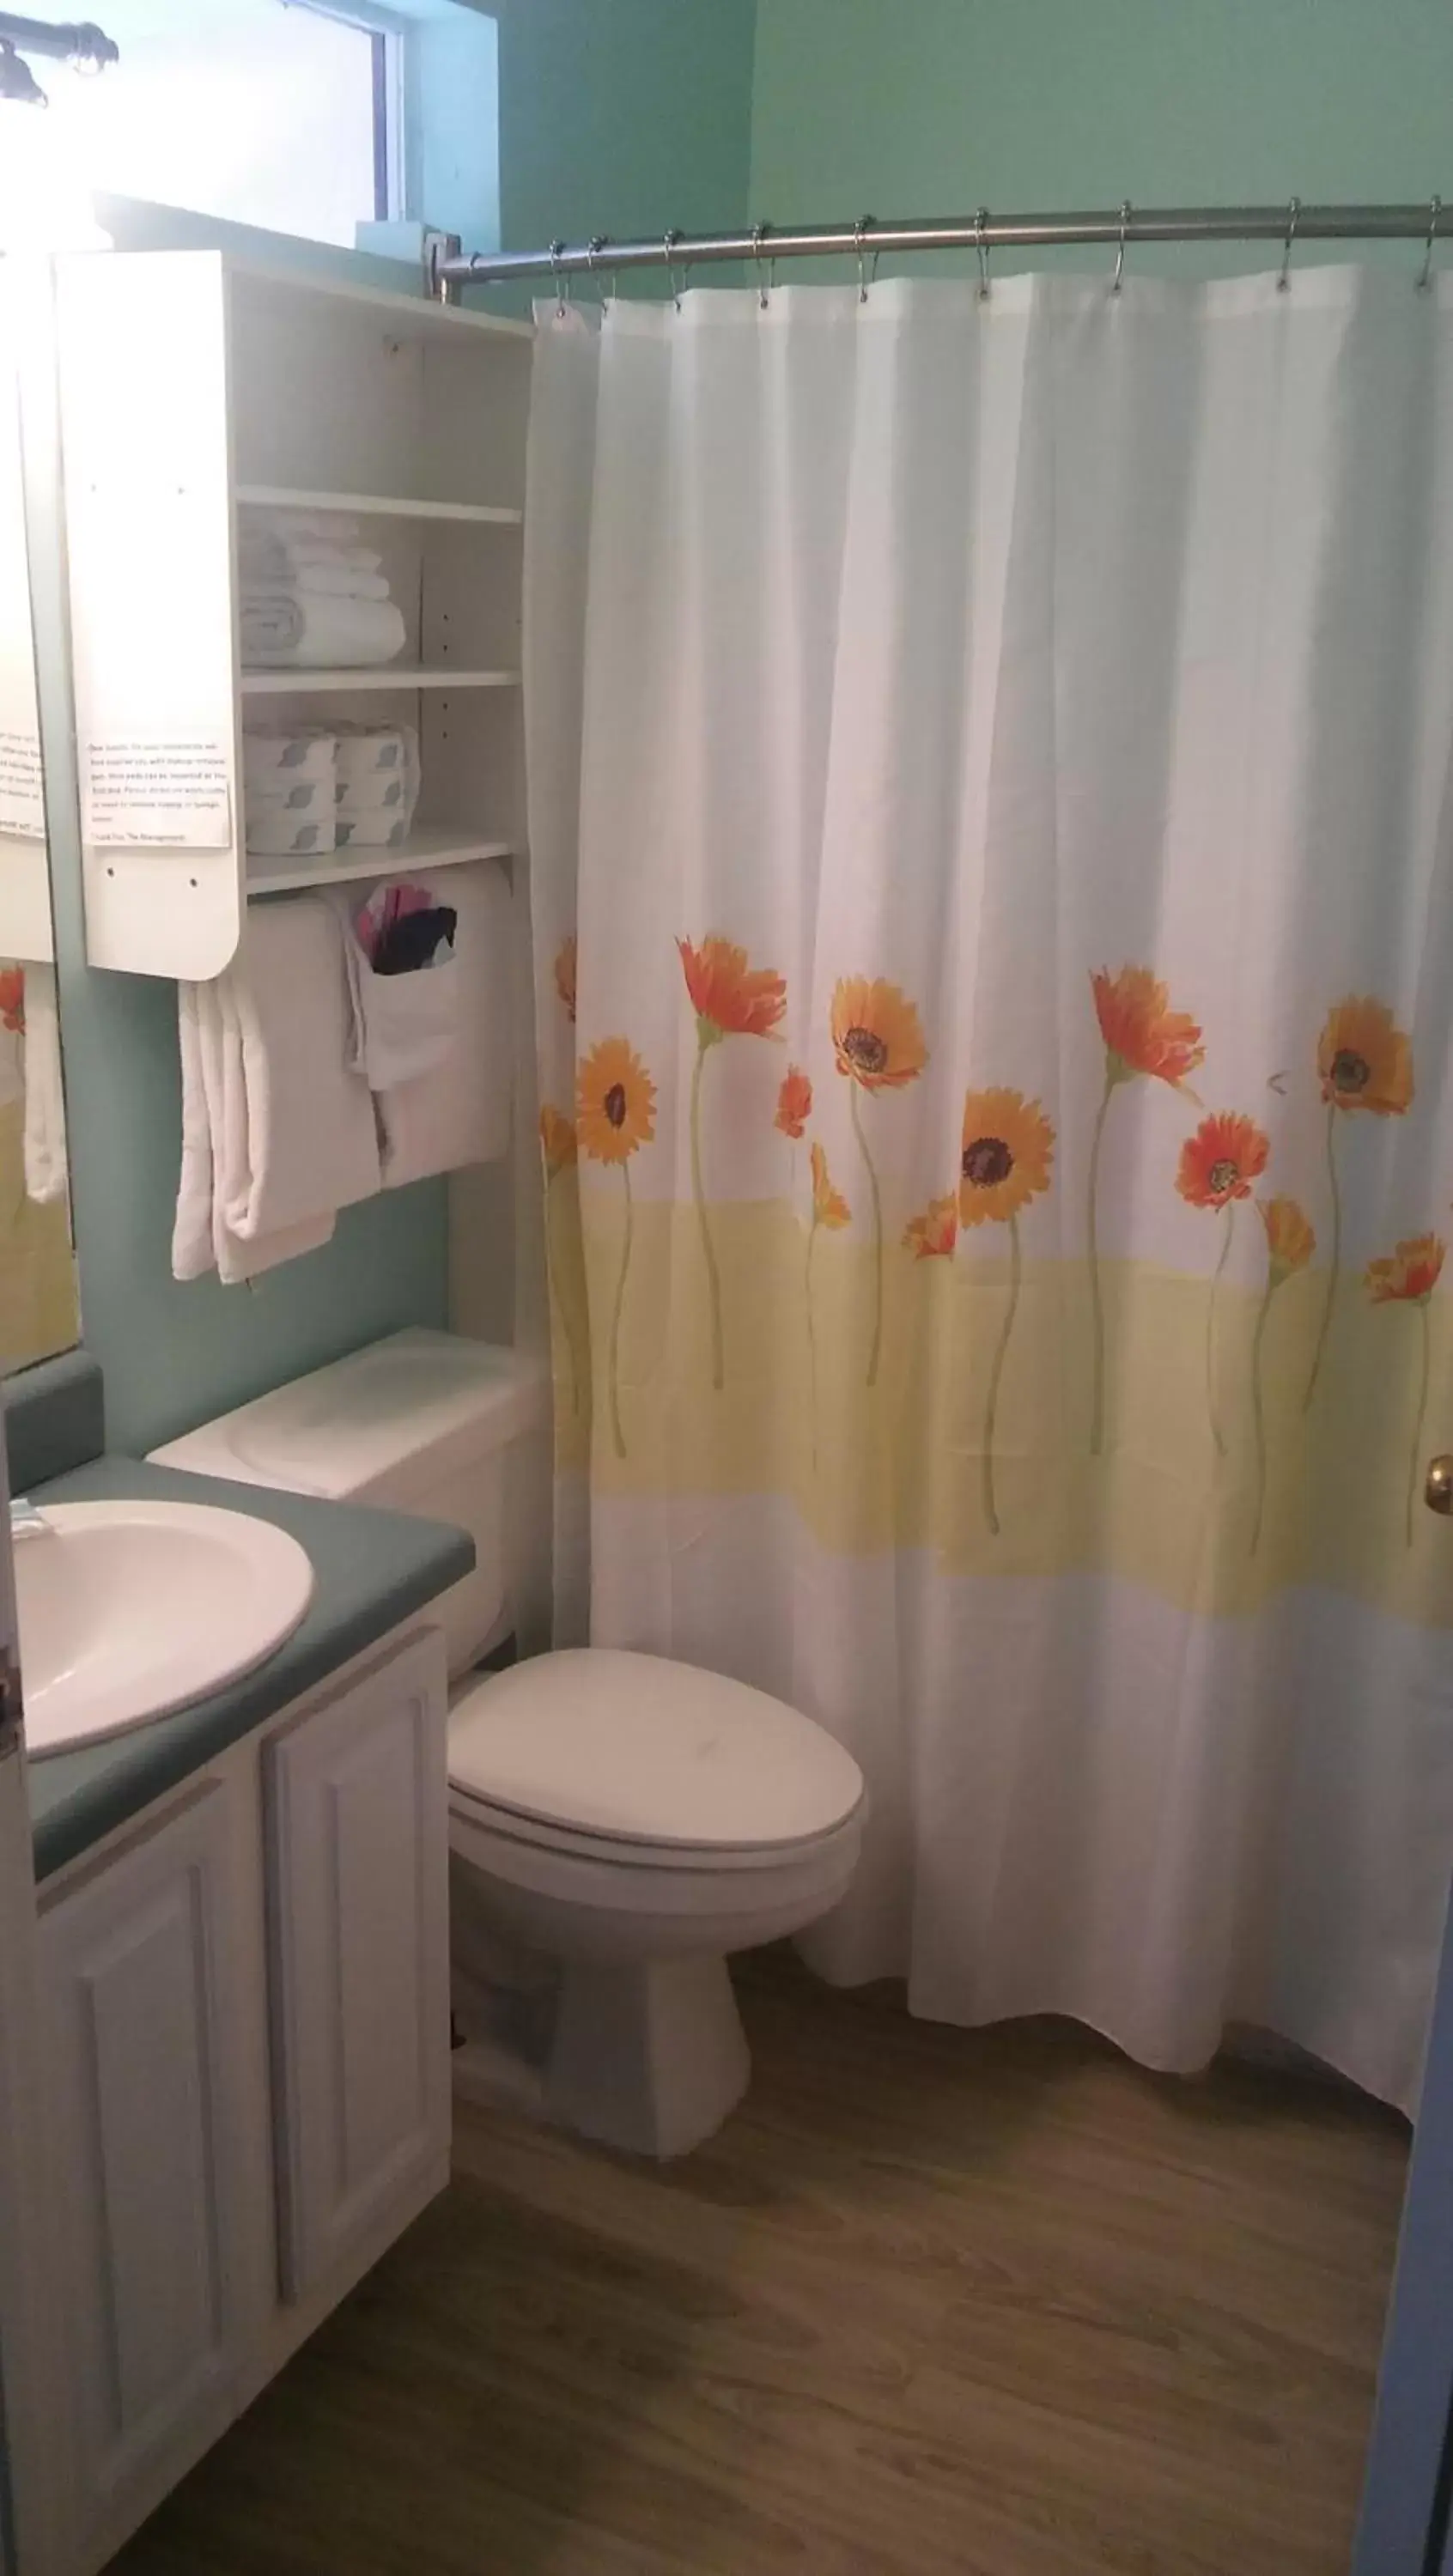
x,y
1438,1485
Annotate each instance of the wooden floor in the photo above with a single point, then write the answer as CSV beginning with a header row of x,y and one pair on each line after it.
x,y
994,2302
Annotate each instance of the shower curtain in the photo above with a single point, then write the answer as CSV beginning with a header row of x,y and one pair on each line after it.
x,y
991,822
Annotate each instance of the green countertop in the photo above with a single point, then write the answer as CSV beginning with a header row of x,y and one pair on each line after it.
x,y
372,1571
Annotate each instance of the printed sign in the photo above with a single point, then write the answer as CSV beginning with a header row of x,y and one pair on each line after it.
x,y
170,792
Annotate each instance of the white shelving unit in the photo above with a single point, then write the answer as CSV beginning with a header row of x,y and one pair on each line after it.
x,y
389,675
425,848
198,389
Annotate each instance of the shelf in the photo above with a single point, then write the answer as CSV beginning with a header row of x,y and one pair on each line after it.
x,y
374,505
404,317
431,845
400,676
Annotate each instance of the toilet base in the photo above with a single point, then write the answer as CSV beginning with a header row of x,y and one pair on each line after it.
x,y
647,2055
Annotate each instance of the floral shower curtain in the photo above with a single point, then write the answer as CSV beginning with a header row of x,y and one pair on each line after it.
x,y
991,816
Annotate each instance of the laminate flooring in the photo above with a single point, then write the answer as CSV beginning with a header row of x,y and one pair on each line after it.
x,y
991,2302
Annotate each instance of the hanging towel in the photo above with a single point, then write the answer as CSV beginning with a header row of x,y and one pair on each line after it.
x,y
277,1133
45,1099
280,630
461,1112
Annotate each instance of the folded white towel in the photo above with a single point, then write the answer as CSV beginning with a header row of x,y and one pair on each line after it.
x,y
280,631
45,1099
277,1133
336,581
461,1112
325,527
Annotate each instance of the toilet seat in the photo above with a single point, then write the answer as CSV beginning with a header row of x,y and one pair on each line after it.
x,y
636,1760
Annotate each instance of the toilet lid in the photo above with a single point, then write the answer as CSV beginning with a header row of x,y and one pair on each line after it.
x,y
649,1751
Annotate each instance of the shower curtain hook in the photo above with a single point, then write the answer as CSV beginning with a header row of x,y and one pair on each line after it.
x,y
593,249
557,253
1119,278
671,239
1425,278
759,235
1293,211
863,225
980,221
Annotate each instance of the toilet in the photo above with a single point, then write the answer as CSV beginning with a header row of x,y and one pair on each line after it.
x,y
619,1823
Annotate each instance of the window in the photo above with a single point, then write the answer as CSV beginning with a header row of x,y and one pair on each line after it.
x,y
280,113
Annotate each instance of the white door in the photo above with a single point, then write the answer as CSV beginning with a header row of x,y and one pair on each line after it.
x,y
150,1966
356,1806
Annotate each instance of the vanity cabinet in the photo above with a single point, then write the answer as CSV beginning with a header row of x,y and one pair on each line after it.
x,y
158,2139
245,2016
359,1937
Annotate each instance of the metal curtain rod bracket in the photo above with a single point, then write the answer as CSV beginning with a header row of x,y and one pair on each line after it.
x,y
982,233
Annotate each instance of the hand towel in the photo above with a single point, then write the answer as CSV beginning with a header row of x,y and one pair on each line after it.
x,y
279,631
404,1025
277,1133
461,1112
265,573
45,1099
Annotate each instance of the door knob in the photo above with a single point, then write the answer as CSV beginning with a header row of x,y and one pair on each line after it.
x,y
1438,1485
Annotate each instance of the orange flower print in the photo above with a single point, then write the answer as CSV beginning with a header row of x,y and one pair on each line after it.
x,y
1008,1149
565,974
560,1147
1290,1241
1219,1163
736,1000
794,1103
615,1106
829,1207
731,1000
1364,1061
1142,1035
876,1034
1217,1167
830,1213
936,1231
1290,1244
12,1000
878,1043
1408,1277
557,1139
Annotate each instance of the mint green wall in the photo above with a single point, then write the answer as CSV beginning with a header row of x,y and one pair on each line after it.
x,y
623,116
935,106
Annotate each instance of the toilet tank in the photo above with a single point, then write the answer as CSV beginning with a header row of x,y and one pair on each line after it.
x,y
420,1422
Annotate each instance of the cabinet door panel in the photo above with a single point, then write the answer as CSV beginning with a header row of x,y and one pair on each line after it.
x,y
357,1826
139,1969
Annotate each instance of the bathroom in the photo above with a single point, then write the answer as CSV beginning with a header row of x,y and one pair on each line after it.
x,y
729,1837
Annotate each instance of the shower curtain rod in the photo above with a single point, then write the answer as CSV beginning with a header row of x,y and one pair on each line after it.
x,y
451,268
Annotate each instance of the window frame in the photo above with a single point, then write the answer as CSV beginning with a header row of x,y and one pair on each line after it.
x,y
388,34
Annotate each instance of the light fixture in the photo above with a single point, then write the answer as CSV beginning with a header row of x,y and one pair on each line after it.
x,y
15,79
85,47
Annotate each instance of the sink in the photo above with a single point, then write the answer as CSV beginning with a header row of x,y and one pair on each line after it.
x,y
131,1609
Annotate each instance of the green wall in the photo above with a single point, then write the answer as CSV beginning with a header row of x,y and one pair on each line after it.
x,y
612,112
936,106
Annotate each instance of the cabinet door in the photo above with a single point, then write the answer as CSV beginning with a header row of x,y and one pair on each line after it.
x,y
154,2096
356,1801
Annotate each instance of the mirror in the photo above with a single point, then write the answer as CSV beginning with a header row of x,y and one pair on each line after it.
x,y
39,1308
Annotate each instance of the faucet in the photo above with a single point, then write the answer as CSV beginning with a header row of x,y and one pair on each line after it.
x,y
27,1521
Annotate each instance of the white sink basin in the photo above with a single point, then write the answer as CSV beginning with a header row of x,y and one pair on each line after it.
x,y
128,1610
